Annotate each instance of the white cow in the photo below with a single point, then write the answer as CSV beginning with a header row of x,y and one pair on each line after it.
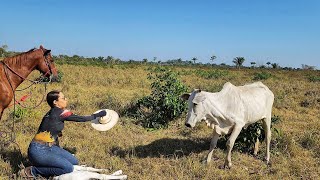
x,y
230,110
87,173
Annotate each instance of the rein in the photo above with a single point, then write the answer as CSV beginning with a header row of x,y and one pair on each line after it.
x,y
5,66
16,73
33,83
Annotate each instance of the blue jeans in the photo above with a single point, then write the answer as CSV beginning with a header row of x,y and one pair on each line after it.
x,y
50,161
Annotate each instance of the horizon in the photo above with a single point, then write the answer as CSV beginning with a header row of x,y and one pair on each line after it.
x,y
283,32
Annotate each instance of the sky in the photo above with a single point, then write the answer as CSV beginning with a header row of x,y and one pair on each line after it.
x,y
286,32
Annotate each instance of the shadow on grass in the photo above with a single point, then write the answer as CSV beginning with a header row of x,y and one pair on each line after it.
x,y
166,148
10,152
72,150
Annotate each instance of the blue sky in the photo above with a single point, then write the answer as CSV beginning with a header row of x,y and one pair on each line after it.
x,y
286,32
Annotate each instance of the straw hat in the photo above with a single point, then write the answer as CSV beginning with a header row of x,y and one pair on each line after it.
x,y
106,122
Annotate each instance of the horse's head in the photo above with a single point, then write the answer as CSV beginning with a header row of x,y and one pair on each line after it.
x,y
46,65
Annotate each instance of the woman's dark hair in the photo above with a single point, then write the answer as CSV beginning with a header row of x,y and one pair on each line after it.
x,y
52,96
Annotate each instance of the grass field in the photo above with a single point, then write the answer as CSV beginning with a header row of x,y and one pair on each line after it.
x,y
176,152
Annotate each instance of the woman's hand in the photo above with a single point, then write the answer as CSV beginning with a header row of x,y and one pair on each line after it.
x,y
100,114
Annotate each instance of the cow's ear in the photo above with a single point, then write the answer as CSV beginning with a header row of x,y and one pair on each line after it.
x,y
197,90
198,98
185,96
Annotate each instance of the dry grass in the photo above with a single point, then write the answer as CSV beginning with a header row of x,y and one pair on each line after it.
x,y
176,152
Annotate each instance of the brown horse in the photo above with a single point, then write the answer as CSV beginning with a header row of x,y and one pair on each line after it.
x,y
14,70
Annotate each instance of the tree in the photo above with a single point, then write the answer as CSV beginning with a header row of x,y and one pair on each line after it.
x,y
238,61
253,64
164,103
109,59
194,59
307,67
145,60
268,63
212,58
3,50
100,58
275,65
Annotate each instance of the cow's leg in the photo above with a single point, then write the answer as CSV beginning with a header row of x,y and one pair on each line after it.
x,y
235,132
213,145
86,168
109,177
256,147
267,130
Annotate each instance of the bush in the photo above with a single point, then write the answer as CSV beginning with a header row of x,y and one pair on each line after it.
x,y
311,99
163,104
261,76
46,79
314,78
247,137
19,113
309,139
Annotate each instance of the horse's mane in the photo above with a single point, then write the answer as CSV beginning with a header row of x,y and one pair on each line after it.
x,y
17,59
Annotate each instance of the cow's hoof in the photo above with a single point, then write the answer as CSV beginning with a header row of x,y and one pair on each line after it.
x,y
255,156
215,158
224,167
205,162
269,163
227,165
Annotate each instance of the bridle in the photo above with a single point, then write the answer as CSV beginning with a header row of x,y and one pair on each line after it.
x,y
40,79
48,65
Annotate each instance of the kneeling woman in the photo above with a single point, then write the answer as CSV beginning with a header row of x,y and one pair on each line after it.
x,y
45,154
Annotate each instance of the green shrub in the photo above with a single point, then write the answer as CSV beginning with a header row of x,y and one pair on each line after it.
x,y
163,104
46,79
19,113
314,78
261,76
311,99
309,139
247,137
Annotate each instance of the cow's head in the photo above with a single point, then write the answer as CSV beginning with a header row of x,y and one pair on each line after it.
x,y
196,109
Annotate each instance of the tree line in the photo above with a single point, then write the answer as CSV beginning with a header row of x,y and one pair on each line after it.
x,y
100,60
